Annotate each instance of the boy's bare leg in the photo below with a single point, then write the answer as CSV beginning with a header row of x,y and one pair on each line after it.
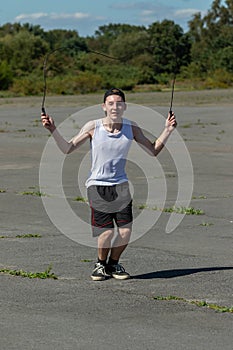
x,y
113,267
104,244
104,247
120,243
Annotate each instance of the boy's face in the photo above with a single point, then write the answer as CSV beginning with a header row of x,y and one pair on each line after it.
x,y
114,107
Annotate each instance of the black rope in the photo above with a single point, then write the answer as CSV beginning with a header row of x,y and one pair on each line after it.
x,y
172,95
45,77
97,53
45,69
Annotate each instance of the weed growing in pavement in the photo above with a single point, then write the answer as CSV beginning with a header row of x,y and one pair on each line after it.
x,y
170,175
29,235
80,199
142,206
177,210
199,303
26,235
33,193
36,122
42,275
206,224
199,197
184,210
86,260
186,126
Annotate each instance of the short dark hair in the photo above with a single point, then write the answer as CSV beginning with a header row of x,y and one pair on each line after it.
x,y
114,91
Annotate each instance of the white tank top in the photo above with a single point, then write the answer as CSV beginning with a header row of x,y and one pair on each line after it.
x,y
109,154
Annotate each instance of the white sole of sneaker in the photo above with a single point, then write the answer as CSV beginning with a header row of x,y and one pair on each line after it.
x,y
118,277
95,278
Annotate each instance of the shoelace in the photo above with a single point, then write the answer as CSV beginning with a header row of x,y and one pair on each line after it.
x,y
99,268
119,268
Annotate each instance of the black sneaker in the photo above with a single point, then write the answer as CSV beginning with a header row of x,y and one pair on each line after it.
x,y
98,273
117,271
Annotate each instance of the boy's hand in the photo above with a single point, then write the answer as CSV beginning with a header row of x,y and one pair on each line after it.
x,y
171,123
48,122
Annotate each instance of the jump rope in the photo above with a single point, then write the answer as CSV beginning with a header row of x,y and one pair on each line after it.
x,y
46,58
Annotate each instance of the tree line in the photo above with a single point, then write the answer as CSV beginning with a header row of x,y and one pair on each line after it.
x,y
128,56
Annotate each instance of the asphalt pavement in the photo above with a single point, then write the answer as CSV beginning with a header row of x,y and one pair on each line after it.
x,y
180,295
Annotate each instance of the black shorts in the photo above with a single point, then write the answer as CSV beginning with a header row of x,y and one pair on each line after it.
x,y
110,205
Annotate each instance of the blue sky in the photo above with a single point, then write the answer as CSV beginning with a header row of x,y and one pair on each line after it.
x,y
86,16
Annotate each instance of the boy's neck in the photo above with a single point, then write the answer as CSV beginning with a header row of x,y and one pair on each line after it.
x,y
112,125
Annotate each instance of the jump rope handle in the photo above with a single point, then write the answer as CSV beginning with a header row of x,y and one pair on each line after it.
x,y
43,111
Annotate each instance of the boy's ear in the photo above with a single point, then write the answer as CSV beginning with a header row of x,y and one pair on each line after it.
x,y
104,108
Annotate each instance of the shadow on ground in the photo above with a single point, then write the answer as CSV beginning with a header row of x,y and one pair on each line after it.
x,y
178,272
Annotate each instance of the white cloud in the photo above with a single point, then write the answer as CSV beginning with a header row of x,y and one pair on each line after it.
x,y
184,13
84,23
148,13
141,5
52,16
76,15
33,16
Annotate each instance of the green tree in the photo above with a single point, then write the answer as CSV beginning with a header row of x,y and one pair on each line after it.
x,y
112,31
133,49
64,52
6,76
106,34
212,38
169,46
10,28
69,39
128,45
22,51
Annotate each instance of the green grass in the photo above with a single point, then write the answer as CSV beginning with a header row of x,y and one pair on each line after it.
x,y
184,210
33,193
36,122
206,224
177,210
199,303
170,175
26,235
86,260
42,275
29,235
186,126
199,197
80,199
142,206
